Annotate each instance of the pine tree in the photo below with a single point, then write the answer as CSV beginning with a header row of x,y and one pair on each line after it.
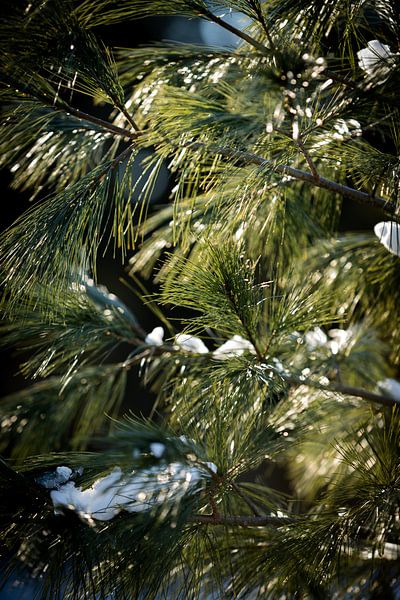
x,y
270,464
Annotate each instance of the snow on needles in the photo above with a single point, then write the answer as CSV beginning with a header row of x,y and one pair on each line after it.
x,y
136,492
375,58
391,387
388,233
235,346
339,339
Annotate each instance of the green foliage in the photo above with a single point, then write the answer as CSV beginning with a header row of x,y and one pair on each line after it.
x,y
60,140
66,412
60,236
76,330
142,535
269,467
60,49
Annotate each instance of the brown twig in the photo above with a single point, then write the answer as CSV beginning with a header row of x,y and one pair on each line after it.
x,y
340,388
114,129
347,390
207,14
242,521
299,142
247,158
129,118
308,158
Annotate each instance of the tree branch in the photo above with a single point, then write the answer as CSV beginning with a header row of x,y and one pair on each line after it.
x,y
114,129
242,521
347,390
247,158
340,388
299,142
129,118
79,114
308,158
244,36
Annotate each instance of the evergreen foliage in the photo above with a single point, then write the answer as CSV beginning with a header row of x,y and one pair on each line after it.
x,y
270,464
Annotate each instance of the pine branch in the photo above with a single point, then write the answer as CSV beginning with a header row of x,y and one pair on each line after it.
x,y
106,125
242,521
59,104
347,390
297,139
129,118
154,351
248,158
241,34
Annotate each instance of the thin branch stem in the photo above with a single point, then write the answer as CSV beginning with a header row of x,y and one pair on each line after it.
x,y
79,114
250,158
242,521
299,142
308,158
347,390
247,158
344,389
257,9
114,129
244,36
129,118
121,156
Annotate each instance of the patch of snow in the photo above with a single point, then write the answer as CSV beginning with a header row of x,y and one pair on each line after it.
x,y
390,387
340,339
374,58
236,346
157,449
388,233
53,480
315,338
190,343
155,337
337,340
138,492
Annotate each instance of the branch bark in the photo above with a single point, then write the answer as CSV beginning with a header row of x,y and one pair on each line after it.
x,y
346,390
340,388
114,129
242,521
241,34
247,158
